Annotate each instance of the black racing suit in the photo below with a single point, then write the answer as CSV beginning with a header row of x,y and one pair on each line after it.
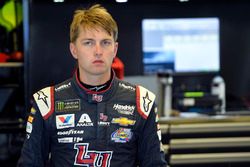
x,y
70,125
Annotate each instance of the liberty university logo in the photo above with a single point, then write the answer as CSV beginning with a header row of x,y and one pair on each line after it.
x,y
91,158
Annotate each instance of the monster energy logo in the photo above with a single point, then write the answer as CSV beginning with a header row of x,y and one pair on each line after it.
x,y
68,105
60,105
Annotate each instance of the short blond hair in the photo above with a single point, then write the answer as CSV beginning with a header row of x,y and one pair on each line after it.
x,y
94,17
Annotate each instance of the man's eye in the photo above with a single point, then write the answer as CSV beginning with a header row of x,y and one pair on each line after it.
x,y
107,43
88,43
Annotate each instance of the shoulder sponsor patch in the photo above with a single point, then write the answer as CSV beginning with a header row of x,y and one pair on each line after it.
x,y
45,101
144,101
33,111
30,119
128,87
62,87
29,127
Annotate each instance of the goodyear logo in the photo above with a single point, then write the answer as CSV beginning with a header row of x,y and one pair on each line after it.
x,y
123,121
68,105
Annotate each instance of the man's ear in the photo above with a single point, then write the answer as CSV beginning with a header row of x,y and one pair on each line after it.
x,y
72,48
115,49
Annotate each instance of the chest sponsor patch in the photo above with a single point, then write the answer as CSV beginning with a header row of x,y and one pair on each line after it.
x,y
97,98
70,140
85,121
123,121
124,109
65,121
121,135
70,132
103,120
91,158
68,105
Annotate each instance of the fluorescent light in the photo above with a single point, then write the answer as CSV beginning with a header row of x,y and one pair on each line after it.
x,y
58,0
121,1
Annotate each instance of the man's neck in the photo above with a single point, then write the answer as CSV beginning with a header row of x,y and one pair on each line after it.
x,y
95,83
94,80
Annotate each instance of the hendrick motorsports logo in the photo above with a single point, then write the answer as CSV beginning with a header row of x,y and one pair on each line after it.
x,y
124,109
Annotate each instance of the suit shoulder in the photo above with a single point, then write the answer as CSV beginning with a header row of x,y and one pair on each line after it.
x,y
144,101
44,99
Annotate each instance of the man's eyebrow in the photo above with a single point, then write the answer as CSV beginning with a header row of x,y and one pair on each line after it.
x,y
86,39
91,39
106,39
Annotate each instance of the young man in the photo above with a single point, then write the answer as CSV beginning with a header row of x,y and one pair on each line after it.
x,y
93,119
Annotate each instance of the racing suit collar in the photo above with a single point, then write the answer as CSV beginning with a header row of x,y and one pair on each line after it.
x,y
93,96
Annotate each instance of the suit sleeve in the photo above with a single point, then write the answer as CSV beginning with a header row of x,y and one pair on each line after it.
x,y
35,148
150,150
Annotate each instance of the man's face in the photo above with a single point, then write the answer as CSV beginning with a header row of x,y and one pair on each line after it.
x,y
94,50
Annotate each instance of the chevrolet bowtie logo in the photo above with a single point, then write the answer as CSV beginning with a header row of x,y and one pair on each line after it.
x,y
123,121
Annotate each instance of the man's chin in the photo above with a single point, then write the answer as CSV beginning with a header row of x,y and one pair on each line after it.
x,y
100,72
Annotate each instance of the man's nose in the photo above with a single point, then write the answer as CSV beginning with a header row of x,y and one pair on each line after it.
x,y
98,49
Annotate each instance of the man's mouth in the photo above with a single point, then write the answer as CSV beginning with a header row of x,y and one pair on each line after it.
x,y
97,61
